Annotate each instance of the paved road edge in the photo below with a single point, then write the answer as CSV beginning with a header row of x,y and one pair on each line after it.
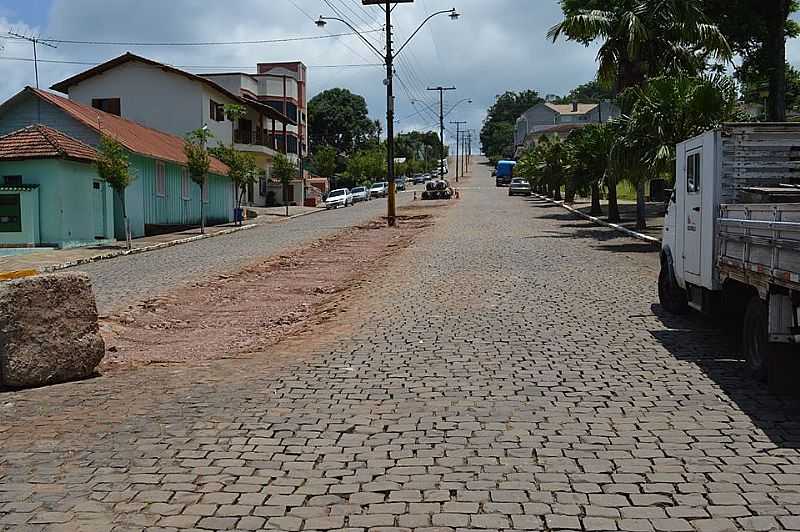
x,y
629,232
155,247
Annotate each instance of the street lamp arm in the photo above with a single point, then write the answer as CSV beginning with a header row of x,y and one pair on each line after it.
x,y
457,104
452,13
380,54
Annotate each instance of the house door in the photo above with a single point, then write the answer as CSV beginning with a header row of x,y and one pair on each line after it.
x,y
693,212
99,209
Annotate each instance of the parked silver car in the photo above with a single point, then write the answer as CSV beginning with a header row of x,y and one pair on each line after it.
x,y
519,187
379,190
359,194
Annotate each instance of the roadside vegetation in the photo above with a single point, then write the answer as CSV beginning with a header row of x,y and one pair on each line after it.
x,y
664,64
346,147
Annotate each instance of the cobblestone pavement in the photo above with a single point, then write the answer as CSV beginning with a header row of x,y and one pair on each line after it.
x,y
512,372
124,280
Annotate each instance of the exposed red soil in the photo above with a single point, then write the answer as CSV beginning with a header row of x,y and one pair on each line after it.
x,y
246,312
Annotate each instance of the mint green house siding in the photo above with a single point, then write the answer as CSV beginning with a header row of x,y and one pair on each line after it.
x,y
176,203
75,206
19,216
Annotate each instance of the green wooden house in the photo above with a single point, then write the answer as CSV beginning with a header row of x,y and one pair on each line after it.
x,y
51,195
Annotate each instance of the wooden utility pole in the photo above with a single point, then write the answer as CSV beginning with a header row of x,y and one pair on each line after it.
x,y
441,91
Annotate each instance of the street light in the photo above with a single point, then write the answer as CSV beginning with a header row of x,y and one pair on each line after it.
x,y
387,6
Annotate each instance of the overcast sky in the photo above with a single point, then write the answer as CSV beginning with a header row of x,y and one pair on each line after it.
x,y
496,45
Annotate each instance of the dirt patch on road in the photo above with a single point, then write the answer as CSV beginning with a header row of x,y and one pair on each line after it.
x,y
244,313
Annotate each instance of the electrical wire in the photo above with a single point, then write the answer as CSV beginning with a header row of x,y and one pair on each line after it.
x,y
201,67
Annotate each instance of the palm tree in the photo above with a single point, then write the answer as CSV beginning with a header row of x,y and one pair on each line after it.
x,y
644,38
666,111
590,147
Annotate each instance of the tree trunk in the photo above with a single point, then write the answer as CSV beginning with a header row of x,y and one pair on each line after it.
x,y
125,221
203,208
557,193
286,198
569,192
597,210
641,206
775,48
613,205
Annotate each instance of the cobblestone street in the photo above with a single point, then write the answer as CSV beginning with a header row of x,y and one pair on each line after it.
x,y
511,371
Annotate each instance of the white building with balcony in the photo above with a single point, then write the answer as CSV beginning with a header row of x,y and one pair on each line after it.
x,y
175,101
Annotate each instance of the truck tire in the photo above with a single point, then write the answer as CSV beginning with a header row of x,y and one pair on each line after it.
x,y
755,339
671,296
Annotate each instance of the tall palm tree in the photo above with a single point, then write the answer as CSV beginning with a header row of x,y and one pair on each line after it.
x,y
590,147
643,38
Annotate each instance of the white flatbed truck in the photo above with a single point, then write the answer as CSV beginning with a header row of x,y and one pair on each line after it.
x,y
731,237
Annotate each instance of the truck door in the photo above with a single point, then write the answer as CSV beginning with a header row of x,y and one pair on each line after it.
x,y
693,212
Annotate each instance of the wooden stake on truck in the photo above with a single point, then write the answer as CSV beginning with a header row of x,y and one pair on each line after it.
x,y
731,239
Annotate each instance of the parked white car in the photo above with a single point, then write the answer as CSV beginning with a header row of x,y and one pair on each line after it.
x,y
360,194
379,190
341,197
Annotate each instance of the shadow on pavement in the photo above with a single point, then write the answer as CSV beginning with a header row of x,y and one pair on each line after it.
x,y
716,353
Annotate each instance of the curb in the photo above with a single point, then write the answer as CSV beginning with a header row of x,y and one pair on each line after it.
x,y
17,274
629,232
145,249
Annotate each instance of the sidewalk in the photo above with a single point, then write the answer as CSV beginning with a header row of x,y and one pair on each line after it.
x,y
51,260
627,211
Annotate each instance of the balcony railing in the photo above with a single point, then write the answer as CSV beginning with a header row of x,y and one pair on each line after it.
x,y
258,138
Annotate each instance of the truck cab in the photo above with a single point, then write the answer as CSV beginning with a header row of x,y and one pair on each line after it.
x,y
731,237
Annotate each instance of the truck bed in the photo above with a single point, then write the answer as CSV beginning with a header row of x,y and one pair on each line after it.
x,y
759,243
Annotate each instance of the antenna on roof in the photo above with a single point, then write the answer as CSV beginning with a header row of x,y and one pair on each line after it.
x,y
34,41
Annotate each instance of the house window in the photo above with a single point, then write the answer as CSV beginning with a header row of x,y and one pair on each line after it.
x,y
161,179
109,105
205,190
10,215
12,180
186,191
693,165
216,111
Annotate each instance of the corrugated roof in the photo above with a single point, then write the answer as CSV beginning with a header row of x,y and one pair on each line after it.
x,y
38,141
63,86
135,137
567,109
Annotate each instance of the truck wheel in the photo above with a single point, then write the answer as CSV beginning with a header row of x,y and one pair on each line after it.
x,y
671,296
755,340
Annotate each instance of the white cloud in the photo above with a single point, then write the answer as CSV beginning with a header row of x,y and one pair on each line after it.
x,y
497,45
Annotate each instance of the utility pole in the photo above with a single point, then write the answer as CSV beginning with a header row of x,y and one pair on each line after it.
x,y
458,139
34,41
392,211
441,125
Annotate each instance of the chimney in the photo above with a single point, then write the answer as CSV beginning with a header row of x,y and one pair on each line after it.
x,y
574,107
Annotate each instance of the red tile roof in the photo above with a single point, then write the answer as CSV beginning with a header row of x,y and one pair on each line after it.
x,y
135,137
42,142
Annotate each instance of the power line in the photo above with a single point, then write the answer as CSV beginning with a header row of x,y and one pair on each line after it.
x,y
209,43
95,63
312,19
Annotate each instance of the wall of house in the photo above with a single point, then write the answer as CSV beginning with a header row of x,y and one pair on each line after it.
x,y
172,208
66,200
29,110
28,235
156,98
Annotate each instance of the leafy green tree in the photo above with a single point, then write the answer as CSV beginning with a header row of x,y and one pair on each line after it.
x,y
546,165
114,167
339,118
755,88
242,169
196,150
497,134
757,31
591,92
234,112
284,171
325,161
641,39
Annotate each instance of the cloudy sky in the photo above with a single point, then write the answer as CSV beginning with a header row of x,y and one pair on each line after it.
x,y
497,45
